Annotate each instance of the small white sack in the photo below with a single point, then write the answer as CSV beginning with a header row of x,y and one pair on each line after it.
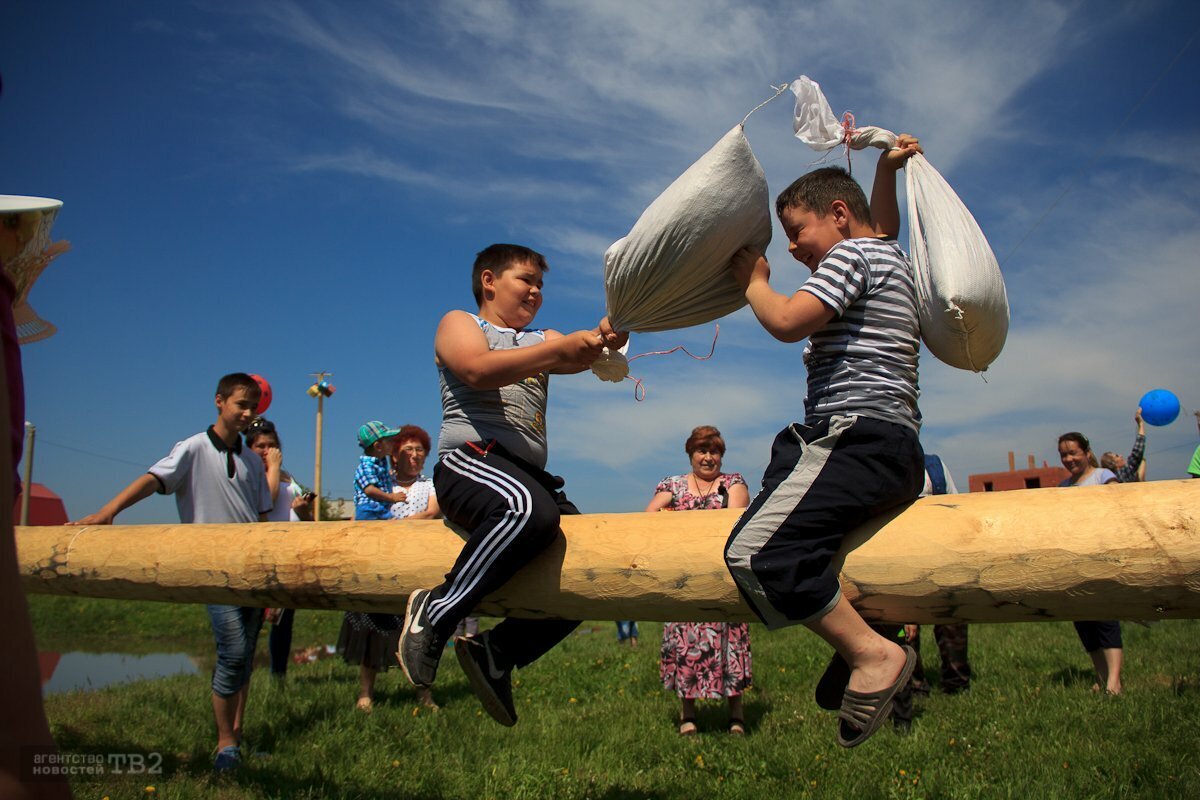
x,y
612,365
962,303
672,269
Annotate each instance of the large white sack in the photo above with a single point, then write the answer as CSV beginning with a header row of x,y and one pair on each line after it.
x,y
672,269
962,303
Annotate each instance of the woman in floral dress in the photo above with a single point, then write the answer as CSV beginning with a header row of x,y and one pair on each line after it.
x,y
705,659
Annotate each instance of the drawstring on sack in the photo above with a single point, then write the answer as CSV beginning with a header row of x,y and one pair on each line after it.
x,y
639,388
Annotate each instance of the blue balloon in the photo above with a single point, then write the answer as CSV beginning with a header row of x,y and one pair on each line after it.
x,y
1159,407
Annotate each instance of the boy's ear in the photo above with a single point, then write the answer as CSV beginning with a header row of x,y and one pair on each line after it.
x,y
487,280
841,214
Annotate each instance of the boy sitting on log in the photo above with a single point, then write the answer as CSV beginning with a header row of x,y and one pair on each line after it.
x,y
856,454
491,476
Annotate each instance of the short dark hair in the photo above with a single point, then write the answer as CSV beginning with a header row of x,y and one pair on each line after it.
x,y
817,190
231,382
705,437
414,433
500,257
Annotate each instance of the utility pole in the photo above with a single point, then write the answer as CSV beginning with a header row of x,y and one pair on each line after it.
x,y
320,389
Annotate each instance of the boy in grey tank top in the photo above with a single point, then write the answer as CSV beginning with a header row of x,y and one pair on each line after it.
x,y
491,478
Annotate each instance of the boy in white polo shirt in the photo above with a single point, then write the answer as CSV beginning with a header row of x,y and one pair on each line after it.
x,y
215,480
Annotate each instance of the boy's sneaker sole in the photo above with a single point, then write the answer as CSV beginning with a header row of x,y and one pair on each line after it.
x,y
493,687
415,642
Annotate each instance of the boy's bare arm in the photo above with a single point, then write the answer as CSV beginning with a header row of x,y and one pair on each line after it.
x,y
380,496
609,337
788,319
135,492
885,210
461,347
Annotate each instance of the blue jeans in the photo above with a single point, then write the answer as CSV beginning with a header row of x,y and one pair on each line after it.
x,y
626,629
235,630
373,511
279,642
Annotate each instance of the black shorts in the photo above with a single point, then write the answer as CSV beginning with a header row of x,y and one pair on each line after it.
x,y
1103,635
824,480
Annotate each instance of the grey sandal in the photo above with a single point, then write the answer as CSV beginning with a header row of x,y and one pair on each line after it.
x,y
864,712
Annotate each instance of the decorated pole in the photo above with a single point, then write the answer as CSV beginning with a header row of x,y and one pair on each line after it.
x,y
320,390
1108,552
27,472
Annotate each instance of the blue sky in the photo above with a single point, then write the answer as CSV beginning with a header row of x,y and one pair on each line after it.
x,y
283,187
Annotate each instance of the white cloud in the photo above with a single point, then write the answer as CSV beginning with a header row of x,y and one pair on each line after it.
x,y
580,114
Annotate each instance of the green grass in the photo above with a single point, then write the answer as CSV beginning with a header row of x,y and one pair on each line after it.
x,y
595,722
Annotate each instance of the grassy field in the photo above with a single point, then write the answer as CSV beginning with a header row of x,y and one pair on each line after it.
x,y
595,722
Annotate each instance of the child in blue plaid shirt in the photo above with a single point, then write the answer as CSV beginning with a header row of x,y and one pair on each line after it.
x,y
373,495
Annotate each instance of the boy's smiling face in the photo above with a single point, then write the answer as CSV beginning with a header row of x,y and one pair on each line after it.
x,y
237,410
811,236
514,296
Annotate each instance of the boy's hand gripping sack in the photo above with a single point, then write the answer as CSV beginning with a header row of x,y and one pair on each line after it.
x,y
672,269
961,298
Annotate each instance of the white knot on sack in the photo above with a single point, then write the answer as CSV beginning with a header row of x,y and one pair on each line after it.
x,y
612,365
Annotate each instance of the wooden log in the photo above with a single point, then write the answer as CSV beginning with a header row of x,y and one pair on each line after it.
x,y
1108,552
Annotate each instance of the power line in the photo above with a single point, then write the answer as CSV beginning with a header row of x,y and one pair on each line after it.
x,y
42,441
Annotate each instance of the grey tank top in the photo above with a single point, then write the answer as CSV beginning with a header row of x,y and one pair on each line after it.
x,y
513,415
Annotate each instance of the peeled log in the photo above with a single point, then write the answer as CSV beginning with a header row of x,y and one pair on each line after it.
x,y
1107,552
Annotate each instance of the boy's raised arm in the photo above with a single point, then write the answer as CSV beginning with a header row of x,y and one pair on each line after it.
x,y
885,211
787,318
462,348
132,494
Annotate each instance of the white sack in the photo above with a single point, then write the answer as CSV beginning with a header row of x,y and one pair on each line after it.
x,y
672,269
962,303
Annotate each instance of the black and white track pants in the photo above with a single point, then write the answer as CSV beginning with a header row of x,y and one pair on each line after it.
x,y
823,481
511,510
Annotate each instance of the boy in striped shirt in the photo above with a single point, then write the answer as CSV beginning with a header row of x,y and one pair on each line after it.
x,y
856,454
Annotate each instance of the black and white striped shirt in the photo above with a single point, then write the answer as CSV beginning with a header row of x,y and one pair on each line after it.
x,y
864,361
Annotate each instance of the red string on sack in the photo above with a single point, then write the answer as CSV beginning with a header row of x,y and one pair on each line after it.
x,y
848,132
639,388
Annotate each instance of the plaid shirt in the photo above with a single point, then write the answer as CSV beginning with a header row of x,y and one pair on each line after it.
x,y
1128,472
371,472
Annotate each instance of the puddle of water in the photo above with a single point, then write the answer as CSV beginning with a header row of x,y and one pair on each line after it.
x,y
70,671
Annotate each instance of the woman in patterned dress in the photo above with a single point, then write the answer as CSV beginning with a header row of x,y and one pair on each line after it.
x,y
705,659
370,640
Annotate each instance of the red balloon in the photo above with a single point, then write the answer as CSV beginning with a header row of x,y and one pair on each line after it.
x,y
264,399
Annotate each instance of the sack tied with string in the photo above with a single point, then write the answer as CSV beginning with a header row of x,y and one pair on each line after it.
x,y
672,269
961,300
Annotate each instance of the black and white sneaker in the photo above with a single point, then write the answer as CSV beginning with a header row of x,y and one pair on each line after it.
x,y
419,651
493,686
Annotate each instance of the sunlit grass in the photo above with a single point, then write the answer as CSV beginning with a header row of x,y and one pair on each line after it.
x,y
595,722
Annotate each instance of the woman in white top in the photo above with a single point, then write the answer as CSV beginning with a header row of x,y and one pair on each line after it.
x,y
370,640
1101,639
292,503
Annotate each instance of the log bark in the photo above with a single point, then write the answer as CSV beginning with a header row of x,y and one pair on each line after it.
x,y
1108,552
